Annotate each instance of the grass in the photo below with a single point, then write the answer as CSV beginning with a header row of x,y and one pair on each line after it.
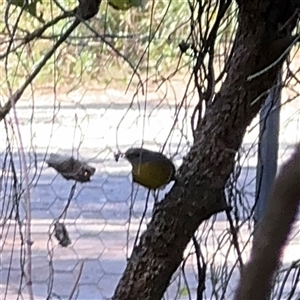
x,y
85,57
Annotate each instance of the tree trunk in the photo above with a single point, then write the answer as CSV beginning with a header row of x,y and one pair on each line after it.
x,y
199,192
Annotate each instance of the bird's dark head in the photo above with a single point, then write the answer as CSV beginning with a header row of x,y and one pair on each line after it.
x,y
141,156
133,155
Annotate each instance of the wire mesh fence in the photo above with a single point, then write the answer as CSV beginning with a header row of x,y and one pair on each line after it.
x,y
78,107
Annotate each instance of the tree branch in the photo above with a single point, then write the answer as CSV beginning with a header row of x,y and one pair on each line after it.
x,y
199,191
39,32
283,204
86,10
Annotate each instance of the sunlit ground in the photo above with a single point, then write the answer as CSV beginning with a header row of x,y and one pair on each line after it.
x,y
97,218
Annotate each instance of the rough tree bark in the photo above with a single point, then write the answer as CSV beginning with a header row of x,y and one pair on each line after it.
x,y
263,34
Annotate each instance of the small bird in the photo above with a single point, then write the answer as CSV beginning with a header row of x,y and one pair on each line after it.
x,y
150,169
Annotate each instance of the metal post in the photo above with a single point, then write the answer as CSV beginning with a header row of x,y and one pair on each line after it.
x,y
267,148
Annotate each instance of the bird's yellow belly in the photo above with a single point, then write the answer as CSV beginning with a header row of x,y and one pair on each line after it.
x,y
152,175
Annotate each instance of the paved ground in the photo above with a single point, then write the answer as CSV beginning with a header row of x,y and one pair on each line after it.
x,y
97,218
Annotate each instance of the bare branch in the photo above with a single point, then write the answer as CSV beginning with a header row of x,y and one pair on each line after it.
x,y
76,281
280,48
39,32
86,10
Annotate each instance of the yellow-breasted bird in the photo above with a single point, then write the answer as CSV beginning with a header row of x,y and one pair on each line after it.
x,y
150,169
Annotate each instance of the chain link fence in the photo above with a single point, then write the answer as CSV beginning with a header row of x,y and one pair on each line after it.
x,y
80,106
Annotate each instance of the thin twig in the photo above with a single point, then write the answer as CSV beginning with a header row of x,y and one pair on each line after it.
x,y
285,52
38,33
201,268
76,281
234,238
85,11
132,201
142,219
28,241
13,99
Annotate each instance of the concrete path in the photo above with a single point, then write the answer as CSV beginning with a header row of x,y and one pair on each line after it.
x,y
97,218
